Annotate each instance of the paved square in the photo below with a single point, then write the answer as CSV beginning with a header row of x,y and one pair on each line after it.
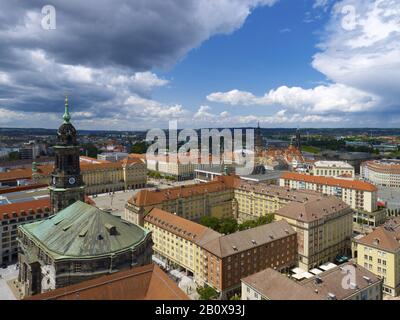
x,y
10,273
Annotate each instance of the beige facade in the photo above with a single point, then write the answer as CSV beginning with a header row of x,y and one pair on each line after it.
x,y
189,202
336,169
358,195
227,196
324,228
220,260
177,242
385,173
379,252
170,166
101,177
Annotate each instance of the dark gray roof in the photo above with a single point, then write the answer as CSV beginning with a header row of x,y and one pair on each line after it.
x,y
243,240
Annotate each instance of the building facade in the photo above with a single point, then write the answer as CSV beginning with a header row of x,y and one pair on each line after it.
x,y
14,215
324,229
383,173
336,169
379,252
226,196
178,242
359,195
217,260
235,256
190,201
97,176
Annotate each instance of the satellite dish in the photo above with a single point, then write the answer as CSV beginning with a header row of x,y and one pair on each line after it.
x,y
48,278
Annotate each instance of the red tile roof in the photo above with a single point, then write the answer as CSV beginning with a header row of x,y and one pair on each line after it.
x,y
142,283
385,237
151,197
181,227
27,208
344,183
16,174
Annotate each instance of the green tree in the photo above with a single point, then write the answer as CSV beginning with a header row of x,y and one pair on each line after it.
x,y
210,222
207,293
13,156
90,150
257,222
139,147
235,297
228,226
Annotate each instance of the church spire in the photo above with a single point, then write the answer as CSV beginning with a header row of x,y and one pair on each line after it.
x,y
66,116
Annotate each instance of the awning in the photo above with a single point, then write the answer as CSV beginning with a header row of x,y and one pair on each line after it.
x,y
307,275
298,270
316,271
327,266
299,276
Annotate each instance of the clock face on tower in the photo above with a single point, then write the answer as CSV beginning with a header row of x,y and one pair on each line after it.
x,y
71,180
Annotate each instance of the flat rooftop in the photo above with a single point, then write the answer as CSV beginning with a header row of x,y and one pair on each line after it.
x,y
15,196
333,164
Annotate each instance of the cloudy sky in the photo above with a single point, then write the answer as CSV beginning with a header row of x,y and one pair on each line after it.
x,y
136,64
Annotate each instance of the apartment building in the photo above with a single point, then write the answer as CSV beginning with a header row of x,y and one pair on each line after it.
x,y
225,196
13,215
190,202
253,200
324,228
269,284
217,260
359,195
336,169
178,241
383,173
379,252
235,256
169,165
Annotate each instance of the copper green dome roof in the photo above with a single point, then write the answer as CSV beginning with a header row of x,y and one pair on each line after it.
x,y
84,231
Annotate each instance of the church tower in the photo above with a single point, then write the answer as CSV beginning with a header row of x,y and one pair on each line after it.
x,y
66,185
298,138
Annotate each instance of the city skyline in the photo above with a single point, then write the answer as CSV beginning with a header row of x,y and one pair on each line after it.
x,y
309,63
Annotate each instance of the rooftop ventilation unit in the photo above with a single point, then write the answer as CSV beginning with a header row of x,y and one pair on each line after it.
x,y
112,230
353,285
